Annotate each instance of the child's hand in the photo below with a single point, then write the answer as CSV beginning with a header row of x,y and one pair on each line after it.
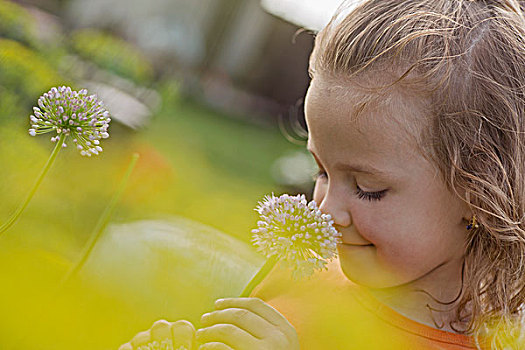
x,y
246,324
181,333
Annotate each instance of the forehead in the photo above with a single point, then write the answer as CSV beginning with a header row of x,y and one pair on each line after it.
x,y
392,116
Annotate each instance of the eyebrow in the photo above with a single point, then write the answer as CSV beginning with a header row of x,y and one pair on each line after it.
x,y
364,169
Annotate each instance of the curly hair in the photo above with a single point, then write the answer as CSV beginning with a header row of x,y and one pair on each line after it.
x,y
468,58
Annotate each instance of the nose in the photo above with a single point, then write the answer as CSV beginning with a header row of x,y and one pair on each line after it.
x,y
335,206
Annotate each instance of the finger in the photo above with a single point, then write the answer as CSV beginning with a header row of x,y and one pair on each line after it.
x,y
242,318
160,330
183,334
258,307
215,346
126,346
228,334
141,338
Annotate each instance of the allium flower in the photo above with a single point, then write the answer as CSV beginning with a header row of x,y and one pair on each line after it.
x,y
296,232
71,113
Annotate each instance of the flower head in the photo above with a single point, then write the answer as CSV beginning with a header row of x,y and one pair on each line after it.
x,y
72,114
296,231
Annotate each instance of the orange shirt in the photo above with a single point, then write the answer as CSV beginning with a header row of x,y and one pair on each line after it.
x,y
330,312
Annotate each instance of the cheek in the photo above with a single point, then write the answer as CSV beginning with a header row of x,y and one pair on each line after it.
x,y
373,225
393,236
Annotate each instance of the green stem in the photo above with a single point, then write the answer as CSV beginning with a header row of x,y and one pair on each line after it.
x,y
102,222
20,209
259,276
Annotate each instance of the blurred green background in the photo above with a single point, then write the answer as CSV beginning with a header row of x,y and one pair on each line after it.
x,y
198,96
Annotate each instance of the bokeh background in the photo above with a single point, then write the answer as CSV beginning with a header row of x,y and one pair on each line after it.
x,y
209,94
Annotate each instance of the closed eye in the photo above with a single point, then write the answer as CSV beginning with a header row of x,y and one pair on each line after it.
x,y
371,196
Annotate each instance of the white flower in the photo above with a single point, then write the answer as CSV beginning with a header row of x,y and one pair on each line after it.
x,y
72,113
295,231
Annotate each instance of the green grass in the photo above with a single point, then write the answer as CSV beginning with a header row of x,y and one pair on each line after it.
x,y
221,165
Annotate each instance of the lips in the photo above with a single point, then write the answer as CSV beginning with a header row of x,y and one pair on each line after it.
x,y
349,236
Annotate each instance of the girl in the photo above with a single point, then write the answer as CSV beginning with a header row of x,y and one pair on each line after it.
x,y
416,118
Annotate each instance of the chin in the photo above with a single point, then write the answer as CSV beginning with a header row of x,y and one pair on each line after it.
x,y
366,272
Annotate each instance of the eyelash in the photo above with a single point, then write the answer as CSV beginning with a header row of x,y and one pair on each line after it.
x,y
370,196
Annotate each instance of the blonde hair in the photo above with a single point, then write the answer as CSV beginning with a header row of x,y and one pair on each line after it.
x,y
470,56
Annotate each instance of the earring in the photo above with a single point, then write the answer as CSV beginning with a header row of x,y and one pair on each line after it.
x,y
472,223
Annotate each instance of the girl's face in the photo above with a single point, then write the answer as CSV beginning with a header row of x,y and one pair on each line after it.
x,y
399,223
